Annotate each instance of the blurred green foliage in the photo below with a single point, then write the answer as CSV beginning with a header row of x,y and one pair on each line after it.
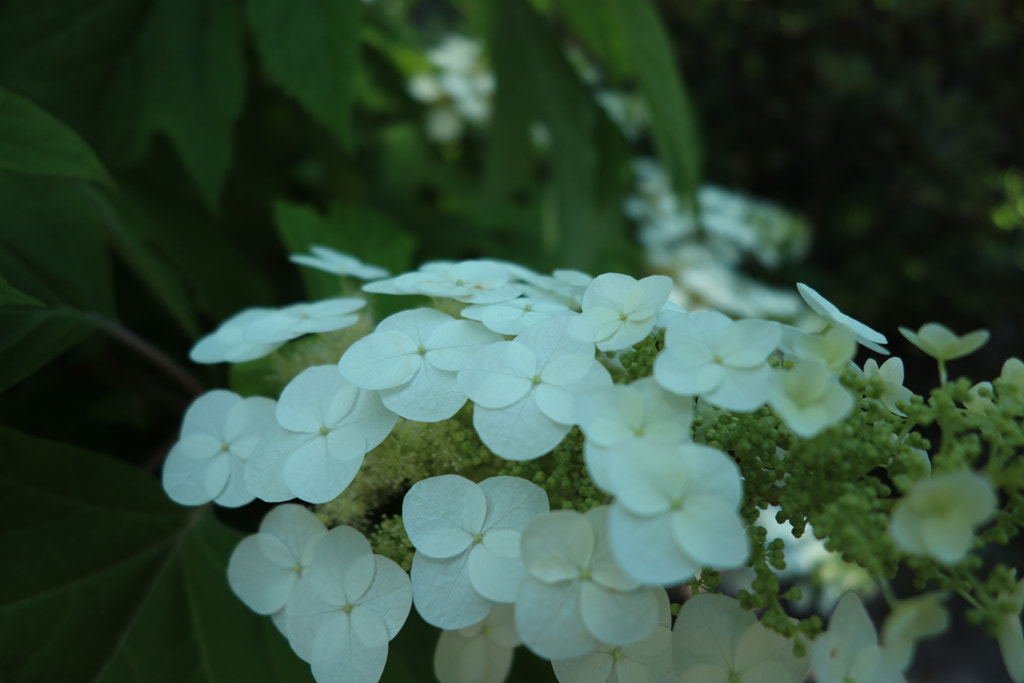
x,y
895,127
160,158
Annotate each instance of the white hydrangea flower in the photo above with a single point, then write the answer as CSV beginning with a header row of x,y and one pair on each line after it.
x,y
480,653
942,344
513,317
296,320
472,282
324,428
218,433
911,620
676,510
891,374
265,567
717,641
722,360
807,398
353,604
338,263
827,310
574,596
848,651
646,661
412,359
619,311
938,515
467,544
523,390
620,412
227,344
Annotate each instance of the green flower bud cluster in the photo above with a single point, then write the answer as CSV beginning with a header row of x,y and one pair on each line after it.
x,y
562,475
640,361
764,593
413,451
389,539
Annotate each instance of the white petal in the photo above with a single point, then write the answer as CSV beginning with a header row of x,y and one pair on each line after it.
x,y
548,619
235,493
520,431
645,551
592,666
452,343
711,532
262,585
250,417
458,659
431,396
184,478
498,375
316,397
264,468
443,593
389,596
295,525
495,567
339,550
687,368
708,631
551,338
381,360
649,474
740,389
512,502
339,656
442,514
418,323
317,474
557,546
617,617
208,413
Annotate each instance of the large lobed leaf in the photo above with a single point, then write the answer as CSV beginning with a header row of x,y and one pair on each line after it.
x,y
118,71
32,141
108,581
310,48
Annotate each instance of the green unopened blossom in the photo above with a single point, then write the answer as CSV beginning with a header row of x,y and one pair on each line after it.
x,y
938,516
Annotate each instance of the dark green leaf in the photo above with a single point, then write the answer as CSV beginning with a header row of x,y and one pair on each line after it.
x,y
219,275
529,61
113,583
596,25
127,236
673,119
191,56
52,248
32,141
310,48
117,71
12,296
629,39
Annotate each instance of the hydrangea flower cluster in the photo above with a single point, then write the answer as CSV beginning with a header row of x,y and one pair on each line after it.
x,y
620,454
